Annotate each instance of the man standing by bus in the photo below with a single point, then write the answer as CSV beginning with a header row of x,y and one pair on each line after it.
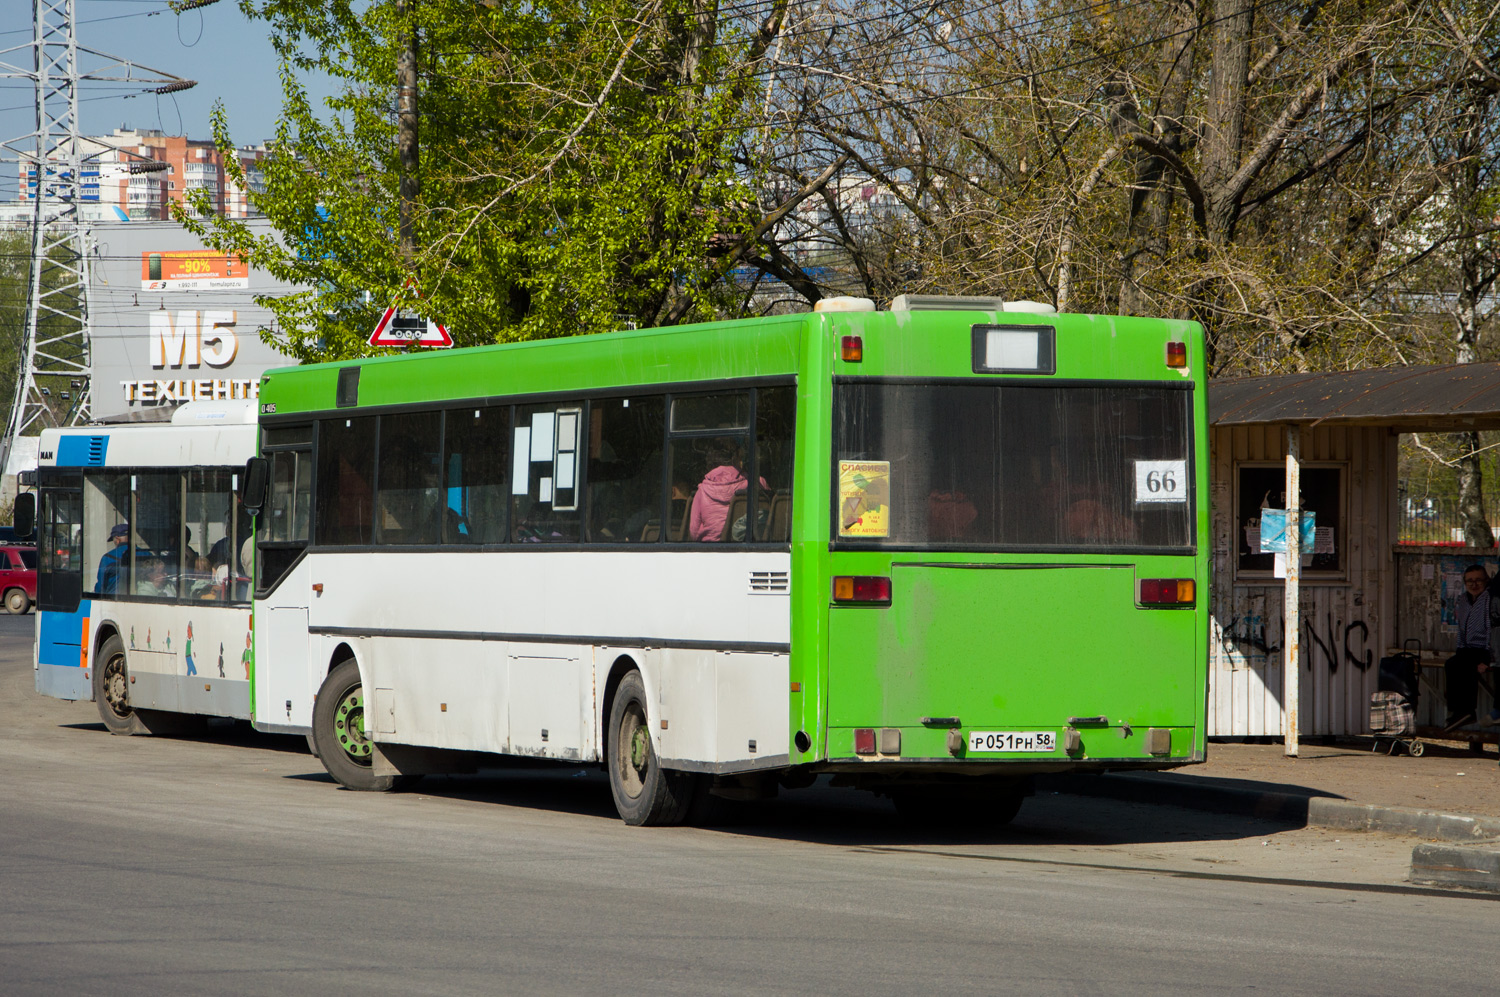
x,y
1477,613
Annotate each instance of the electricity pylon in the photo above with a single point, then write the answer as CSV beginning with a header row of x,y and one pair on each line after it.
x,y
53,373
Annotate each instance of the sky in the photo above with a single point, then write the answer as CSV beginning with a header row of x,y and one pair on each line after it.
x,y
229,55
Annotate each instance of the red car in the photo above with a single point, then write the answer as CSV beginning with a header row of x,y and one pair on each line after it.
x,y
18,578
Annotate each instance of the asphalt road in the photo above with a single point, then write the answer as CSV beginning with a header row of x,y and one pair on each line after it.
x,y
230,864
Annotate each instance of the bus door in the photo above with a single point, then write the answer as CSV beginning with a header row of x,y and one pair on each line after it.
x,y
283,668
62,612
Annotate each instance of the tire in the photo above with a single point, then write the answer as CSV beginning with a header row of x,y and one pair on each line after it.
x,y
17,602
112,689
338,732
645,793
1416,749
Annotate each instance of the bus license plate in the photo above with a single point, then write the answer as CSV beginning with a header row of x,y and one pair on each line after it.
x,y
1035,741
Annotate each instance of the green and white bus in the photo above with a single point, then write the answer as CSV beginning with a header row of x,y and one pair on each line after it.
x,y
931,551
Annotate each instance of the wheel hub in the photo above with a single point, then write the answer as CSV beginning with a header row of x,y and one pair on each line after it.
x,y
116,693
640,746
349,726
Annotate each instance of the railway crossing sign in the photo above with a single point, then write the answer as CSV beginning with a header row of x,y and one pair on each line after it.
x,y
398,328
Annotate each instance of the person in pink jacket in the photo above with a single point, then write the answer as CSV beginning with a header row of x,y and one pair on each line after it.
x,y
716,493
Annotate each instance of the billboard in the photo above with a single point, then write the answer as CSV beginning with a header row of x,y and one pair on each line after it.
x,y
192,270
174,321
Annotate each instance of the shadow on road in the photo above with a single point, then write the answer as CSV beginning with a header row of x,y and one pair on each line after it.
x,y
847,817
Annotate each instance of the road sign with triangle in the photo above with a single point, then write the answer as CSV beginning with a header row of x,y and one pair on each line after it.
x,y
398,328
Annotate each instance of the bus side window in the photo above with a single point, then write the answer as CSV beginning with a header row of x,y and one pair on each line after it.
x,y
625,487
406,500
107,504
546,439
775,420
476,460
346,470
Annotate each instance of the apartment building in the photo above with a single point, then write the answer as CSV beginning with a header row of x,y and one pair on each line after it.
x,y
191,165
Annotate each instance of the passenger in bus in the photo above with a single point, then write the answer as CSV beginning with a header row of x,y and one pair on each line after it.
x,y
717,490
154,580
114,561
1089,520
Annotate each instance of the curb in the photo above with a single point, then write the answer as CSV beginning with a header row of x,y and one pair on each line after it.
x,y
1475,866
1297,808
1466,854
1323,811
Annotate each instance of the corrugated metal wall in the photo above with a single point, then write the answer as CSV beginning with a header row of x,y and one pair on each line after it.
x,y
1347,620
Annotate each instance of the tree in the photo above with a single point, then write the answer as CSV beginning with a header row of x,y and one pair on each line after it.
x,y
574,166
1242,162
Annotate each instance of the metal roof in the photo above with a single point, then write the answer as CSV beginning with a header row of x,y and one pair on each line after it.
x,y
1438,398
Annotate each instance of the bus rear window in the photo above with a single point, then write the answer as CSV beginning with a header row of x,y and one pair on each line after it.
x,y
1013,466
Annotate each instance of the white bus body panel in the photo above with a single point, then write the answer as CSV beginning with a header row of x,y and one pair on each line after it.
x,y
510,651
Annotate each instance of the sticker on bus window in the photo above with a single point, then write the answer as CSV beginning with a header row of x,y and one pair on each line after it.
x,y
1161,481
864,498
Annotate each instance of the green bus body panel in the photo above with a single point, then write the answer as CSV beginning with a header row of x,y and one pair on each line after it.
x,y
581,363
1018,647
1010,648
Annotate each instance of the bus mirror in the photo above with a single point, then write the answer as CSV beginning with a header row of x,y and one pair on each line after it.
x,y
25,515
253,485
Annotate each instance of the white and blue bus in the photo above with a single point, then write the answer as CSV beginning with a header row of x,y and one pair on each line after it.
x,y
143,581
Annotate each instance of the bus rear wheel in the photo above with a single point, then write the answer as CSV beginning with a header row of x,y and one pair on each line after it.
x,y
338,732
645,793
112,690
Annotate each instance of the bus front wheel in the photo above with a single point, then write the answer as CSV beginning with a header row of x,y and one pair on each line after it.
x,y
112,690
645,793
338,732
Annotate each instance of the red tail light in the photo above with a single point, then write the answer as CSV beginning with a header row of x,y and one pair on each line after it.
x,y
1177,354
852,349
864,741
1167,591
861,588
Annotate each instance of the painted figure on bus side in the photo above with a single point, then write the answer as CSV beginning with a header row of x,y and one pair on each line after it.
x,y
221,659
187,650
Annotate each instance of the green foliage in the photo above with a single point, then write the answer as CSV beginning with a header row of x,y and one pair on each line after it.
x,y
574,168
15,270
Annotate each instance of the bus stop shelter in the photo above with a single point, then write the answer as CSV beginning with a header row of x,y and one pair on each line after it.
x,y
1362,593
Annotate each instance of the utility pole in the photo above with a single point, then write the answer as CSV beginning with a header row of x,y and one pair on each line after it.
x,y
406,126
53,375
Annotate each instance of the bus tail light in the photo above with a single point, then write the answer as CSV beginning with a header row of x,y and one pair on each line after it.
x,y
861,588
852,349
1177,354
864,741
1168,591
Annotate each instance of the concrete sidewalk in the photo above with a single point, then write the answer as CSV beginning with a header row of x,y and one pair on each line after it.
x,y
1449,796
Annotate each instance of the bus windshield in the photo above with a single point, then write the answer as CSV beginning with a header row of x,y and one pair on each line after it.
x,y
1014,465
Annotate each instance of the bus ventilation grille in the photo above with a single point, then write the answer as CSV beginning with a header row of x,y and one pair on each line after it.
x,y
767,582
95,454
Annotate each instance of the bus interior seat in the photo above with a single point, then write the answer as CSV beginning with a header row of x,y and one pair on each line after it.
x,y
681,511
779,527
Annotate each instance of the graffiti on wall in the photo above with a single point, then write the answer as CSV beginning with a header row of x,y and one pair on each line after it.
x,y
1332,643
